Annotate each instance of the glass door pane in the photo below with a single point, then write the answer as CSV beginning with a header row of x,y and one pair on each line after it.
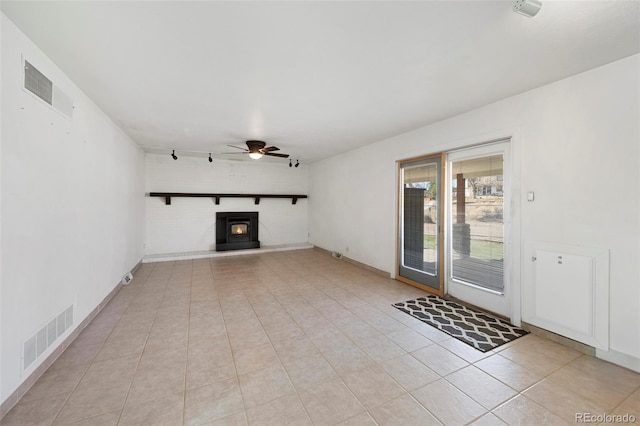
x,y
477,222
420,248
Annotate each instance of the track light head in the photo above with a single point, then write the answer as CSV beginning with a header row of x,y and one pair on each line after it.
x,y
297,163
290,165
173,155
210,159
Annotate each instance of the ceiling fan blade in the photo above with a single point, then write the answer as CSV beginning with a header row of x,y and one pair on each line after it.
x,y
270,148
277,155
235,153
238,147
255,146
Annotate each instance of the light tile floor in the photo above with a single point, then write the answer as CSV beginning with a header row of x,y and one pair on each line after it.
x,y
301,338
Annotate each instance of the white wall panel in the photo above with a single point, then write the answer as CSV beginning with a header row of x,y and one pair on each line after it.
x,y
72,202
566,290
563,290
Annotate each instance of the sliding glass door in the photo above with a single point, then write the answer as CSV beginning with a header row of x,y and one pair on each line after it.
x,y
453,224
420,223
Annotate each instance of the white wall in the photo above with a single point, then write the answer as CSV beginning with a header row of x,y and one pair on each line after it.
x,y
188,224
577,145
72,202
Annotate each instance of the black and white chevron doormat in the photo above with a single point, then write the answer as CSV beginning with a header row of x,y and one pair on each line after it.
x,y
482,331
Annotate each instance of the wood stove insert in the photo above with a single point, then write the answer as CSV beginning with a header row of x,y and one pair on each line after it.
x,y
236,231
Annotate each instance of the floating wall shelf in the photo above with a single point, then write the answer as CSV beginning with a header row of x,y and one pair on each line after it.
x,y
168,195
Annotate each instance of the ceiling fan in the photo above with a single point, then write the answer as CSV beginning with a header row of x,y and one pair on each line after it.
x,y
256,149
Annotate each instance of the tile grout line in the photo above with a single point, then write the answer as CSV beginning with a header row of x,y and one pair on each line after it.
x,y
319,351
186,361
276,352
521,393
235,368
329,363
613,410
284,367
55,418
407,392
124,403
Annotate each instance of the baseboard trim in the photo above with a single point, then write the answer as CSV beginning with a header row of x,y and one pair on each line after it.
x,y
24,387
376,271
169,257
624,360
614,357
554,337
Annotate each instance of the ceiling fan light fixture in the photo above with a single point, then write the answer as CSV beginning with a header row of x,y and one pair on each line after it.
x,y
258,149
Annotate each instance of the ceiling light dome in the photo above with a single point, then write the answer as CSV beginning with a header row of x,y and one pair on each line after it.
x,y
528,8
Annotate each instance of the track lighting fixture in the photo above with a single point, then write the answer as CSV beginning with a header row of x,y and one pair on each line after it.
x,y
209,156
297,163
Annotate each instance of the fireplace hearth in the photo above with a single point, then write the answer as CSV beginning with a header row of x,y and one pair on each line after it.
x,y
236,231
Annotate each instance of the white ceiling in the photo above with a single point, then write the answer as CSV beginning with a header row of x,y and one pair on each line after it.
x,y
315,78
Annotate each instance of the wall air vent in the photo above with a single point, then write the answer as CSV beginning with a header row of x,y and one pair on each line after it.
x,y
38,84
49,333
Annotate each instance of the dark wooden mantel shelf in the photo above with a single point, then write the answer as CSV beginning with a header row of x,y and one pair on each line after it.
x,y
167,196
